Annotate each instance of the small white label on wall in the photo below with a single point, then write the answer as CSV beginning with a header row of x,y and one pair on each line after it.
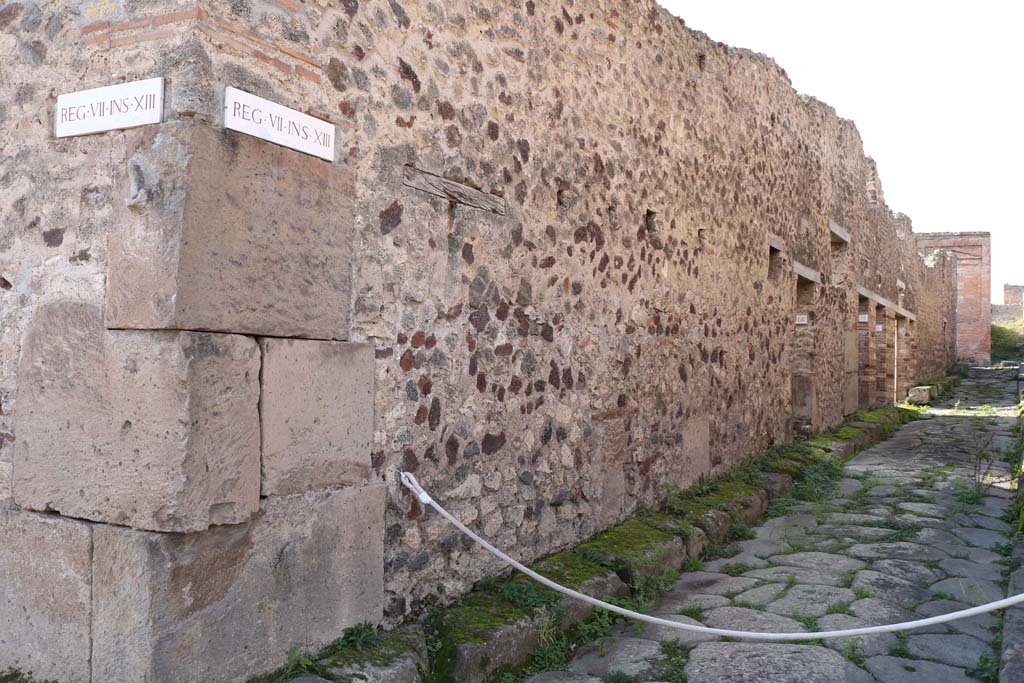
x,y
802,319
268,120
879,328
862,318
113,107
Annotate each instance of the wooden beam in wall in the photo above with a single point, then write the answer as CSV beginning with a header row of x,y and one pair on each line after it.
x,y
460,193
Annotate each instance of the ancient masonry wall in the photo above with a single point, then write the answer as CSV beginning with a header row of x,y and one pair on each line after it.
x,y
590,251
1013,294
973,253
1006,313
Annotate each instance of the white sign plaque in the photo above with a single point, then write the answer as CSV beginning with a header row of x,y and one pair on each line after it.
x,y
878,328
110,108
262,118
862,318
802,319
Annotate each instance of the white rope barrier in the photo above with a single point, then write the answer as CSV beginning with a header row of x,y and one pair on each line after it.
x,y
409,481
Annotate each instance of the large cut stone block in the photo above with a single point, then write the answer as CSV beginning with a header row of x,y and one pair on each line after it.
x,y
224,232
154,430
232,601
317,412
45,596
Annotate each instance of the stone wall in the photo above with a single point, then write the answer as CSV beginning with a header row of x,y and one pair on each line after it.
x,y
1006,313
1013,294
576,237
974,285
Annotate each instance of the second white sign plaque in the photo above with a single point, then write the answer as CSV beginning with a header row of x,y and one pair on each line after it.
x,y
268,120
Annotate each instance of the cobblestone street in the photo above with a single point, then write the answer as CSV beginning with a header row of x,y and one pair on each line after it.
x,y
915,529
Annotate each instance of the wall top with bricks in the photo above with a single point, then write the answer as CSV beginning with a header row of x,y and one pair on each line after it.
x,y
973,252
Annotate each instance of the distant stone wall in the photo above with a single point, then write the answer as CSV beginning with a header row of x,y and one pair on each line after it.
x,y
1013,294
1007,313
974,285
576,241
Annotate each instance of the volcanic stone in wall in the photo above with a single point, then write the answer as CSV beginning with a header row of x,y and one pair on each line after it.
x,y
224,232
154,430
234,600
45,596
317,412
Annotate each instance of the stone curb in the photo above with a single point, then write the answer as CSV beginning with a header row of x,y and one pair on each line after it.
x,y
480,657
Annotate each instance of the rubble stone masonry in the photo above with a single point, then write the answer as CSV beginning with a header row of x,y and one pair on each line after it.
x,y
567,253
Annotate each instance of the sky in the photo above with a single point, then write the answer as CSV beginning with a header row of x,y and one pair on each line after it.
x,y
936,90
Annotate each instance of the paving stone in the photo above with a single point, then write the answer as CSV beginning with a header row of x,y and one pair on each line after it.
x,y
934,536
980,538
848,486
680,601
793,521
762,595
712,583
953,649
818,561
762,547
993,507
889,588
880,612
924,509
983,627
853,518
971,591
882,490
989,523
860,533
821,544
870,645
561,677
631,656
974,570
900,550
931,522
753,561
797,575
655,632
743,619
897,670
770,663
812,601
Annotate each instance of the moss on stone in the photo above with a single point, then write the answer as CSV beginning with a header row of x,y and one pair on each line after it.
x,y
12,676
627,548
473,618
568,568
671,524
785,466
391,647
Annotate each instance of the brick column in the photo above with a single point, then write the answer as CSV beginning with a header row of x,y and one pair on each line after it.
x,y
866,353
904,358
885,349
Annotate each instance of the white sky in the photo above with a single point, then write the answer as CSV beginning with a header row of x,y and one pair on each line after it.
x,y
935,89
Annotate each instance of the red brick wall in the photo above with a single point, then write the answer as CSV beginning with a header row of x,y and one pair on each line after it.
x,y
974,281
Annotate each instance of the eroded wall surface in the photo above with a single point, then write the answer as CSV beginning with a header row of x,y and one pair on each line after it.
x,y
589,311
